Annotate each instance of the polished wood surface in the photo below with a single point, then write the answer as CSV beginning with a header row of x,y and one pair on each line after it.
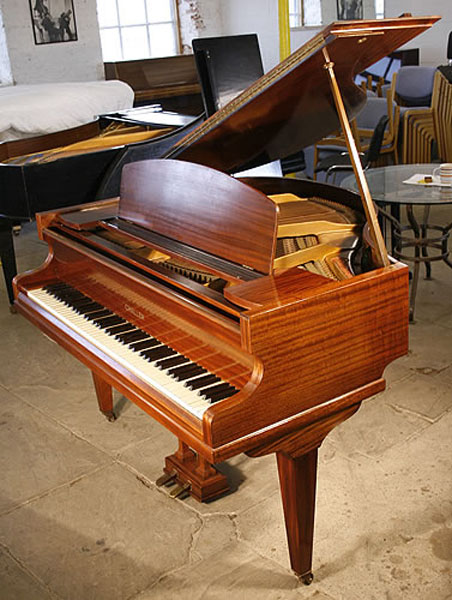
x,y
297,480
302,350
161,80
243,230
291,106
46,142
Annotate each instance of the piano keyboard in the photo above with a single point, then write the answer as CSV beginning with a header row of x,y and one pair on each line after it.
x,y
176,376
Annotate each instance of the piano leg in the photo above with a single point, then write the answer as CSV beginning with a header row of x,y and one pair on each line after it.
x,y
104,394
297,479
8,257
296,454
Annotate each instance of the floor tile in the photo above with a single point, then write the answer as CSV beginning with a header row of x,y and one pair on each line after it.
x,y
36,454
237,572
377,426
17,584
75,406
424,395
430,347
107,536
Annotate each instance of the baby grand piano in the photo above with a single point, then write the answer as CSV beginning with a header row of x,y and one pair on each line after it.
x,y
244,315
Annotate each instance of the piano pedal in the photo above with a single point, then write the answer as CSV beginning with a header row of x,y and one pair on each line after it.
x,y
181,491
167,479
195,476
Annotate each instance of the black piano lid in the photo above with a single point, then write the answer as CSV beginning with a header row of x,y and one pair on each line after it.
x,y
292,106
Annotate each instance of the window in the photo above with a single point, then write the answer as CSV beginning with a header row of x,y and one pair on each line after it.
x,y
379,9
132,29
307,13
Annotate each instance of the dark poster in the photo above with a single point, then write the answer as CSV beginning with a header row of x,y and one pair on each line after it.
x,y
349,9
53,21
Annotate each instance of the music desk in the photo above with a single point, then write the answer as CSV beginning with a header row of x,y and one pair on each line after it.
x,y
419,241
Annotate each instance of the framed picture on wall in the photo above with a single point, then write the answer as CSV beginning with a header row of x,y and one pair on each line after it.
x,y
349,9
53,21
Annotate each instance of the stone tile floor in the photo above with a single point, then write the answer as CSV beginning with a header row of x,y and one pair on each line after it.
x,y
81,517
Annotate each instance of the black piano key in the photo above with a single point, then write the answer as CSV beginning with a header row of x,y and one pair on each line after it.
x,y
70,300
82,300
132,336
82,303
67,299
119,328
100,313
190,373
88,308
156,353
224,394
69,294
58,285
208,392
182,369
201,382
172,362
108,321
145,344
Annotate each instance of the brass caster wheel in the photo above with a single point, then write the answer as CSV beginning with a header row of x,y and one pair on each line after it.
x,y
307,578
12,309
110,416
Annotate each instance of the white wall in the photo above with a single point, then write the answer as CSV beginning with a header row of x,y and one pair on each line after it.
x,y
432,43
261,17
254,16
199,19
82,60
79,60
5,65
298,37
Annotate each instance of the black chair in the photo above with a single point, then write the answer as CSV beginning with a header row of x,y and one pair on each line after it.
x,y
341,162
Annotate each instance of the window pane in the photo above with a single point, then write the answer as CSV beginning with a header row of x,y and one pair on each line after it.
x,y
159,10
163,40
134,42
312,12
131,12
107,13
293,6
111,46
379,9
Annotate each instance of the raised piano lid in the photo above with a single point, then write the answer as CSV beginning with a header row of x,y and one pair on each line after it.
x,y
292,106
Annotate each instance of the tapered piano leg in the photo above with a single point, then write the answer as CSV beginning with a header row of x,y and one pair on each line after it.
x,y
297,479
104,394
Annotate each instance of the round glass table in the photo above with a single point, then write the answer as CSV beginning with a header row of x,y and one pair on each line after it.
x,y
418,241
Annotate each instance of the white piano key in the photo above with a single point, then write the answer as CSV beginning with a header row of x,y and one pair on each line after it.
x,y
119,351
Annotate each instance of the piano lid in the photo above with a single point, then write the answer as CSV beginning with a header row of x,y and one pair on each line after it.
x,y
292,106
